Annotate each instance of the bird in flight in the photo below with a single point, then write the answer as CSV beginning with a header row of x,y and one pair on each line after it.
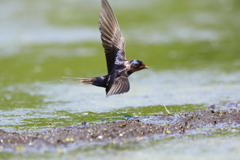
x,y
119,68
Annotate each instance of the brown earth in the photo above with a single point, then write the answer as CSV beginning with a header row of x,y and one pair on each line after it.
x,y
146,128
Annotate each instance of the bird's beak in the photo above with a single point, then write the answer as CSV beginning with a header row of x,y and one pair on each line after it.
x,y
143,66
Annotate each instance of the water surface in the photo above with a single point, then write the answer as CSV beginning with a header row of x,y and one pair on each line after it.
x,y
192,49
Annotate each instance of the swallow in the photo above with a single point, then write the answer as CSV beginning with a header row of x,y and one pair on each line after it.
x,y
119,68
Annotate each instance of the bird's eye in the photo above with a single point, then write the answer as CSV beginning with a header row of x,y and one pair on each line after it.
x,y
136,66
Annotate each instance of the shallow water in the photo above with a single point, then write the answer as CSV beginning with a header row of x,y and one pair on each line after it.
x,y
191,48
197,147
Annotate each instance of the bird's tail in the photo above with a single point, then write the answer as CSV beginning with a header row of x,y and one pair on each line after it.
x,y
82,80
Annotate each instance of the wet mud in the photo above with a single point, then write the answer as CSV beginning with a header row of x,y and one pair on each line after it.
x,y
158,126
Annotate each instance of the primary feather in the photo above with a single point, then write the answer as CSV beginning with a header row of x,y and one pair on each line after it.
x,y
112,40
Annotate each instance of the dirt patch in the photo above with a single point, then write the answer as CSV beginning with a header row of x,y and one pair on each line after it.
x,y
157,126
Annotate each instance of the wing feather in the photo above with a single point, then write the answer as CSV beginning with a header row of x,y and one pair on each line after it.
x,y
112,40
120,85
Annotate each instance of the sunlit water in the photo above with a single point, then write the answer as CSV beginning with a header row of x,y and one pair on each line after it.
x,y
149,89
191,48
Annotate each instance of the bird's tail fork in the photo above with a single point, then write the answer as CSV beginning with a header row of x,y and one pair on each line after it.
x,y
82,80
96,81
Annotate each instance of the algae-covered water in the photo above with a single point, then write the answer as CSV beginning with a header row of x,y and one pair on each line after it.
x,y
192,49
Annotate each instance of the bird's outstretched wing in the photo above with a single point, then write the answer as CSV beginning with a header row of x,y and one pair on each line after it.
x,y
120,85
112,40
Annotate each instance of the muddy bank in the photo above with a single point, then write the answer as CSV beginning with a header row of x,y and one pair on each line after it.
x,y
145,128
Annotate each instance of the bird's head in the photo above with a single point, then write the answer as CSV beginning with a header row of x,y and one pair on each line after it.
x,y
137,65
